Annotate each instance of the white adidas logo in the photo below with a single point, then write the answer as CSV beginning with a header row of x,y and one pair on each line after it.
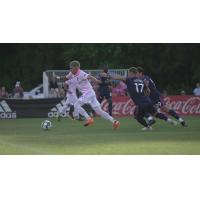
x,y
54,110
58,106
5,111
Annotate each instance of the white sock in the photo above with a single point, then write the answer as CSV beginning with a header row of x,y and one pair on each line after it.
x,y
150,118
103,114
169,120
180,120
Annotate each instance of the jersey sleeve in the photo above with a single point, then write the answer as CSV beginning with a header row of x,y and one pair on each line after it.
x,y
69,75
84,76
68,82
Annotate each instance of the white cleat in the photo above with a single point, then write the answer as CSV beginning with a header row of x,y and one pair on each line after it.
x,y
172,122
149,128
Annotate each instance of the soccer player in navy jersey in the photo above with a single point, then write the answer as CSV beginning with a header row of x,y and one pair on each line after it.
x,y
157,99
136,89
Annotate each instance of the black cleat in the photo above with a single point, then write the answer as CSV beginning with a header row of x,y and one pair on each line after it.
x,y
183,124
58,118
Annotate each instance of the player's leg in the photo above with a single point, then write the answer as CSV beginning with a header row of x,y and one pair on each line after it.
x,y
101,97
84,99
162,116
139,116
73,112
63,110
78,109
109,100
99,111
158,105
174,114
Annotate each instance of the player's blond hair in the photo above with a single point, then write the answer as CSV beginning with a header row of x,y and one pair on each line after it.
x,y
74,63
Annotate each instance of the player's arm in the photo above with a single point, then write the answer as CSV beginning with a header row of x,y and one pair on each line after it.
x,y
147,90
67,77
66,86
92,78
119,78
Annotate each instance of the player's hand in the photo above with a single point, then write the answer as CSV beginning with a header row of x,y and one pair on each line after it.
x,y
146,83
58,77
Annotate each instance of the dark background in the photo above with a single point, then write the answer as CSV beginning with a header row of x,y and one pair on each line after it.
x,y
173,66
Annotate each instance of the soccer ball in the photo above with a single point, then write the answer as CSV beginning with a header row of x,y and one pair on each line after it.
x,y
46,125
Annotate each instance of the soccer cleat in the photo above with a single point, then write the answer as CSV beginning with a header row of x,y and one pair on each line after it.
x,y
116,124
182,122
148,128
89,122
58,118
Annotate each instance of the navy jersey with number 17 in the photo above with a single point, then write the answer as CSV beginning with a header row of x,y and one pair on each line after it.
x,y
136,88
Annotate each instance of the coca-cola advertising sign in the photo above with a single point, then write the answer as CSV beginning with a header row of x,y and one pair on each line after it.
x,y
184,105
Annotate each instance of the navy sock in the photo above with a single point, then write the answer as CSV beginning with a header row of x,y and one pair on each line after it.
x,y
161,116
173,114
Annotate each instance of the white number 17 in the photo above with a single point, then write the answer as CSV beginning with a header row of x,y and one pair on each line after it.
x,y
139,87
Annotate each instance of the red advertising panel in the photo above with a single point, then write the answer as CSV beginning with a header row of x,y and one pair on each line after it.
x,y
184,105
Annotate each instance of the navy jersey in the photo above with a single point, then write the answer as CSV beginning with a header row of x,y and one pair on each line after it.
x,y
154,94
105,83
135,88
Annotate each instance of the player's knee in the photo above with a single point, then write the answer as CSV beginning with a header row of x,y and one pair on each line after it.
x,y
78,104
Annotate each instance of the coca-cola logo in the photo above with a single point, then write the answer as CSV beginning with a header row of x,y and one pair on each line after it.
x,y
124,108
185,105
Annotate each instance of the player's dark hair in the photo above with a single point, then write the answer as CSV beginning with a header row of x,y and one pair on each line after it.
x,y
140,70
133,70
74,63
105,70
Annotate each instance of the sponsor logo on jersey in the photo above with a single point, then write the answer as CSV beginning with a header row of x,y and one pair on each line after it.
x,y
5,111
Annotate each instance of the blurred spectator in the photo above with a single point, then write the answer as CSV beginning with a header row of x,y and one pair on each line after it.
x,y
52,93
104,88
196,91
165,93
61,93
183,92
120,89
18,91
53,84
53,88
3,93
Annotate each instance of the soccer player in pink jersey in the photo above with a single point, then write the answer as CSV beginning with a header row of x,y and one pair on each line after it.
x,y
81,80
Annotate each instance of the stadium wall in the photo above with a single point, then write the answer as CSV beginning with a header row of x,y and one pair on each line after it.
x,y
122,107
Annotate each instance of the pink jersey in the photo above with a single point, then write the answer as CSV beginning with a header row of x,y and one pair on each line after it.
x,y
82,82
69,75
71,86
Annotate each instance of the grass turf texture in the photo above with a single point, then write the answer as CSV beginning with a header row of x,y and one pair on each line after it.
x,y
24,136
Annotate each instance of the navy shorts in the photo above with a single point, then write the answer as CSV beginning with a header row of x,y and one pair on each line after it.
x,y
142,110
104,94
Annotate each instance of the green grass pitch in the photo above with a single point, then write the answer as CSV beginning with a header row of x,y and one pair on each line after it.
x,y
24,136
